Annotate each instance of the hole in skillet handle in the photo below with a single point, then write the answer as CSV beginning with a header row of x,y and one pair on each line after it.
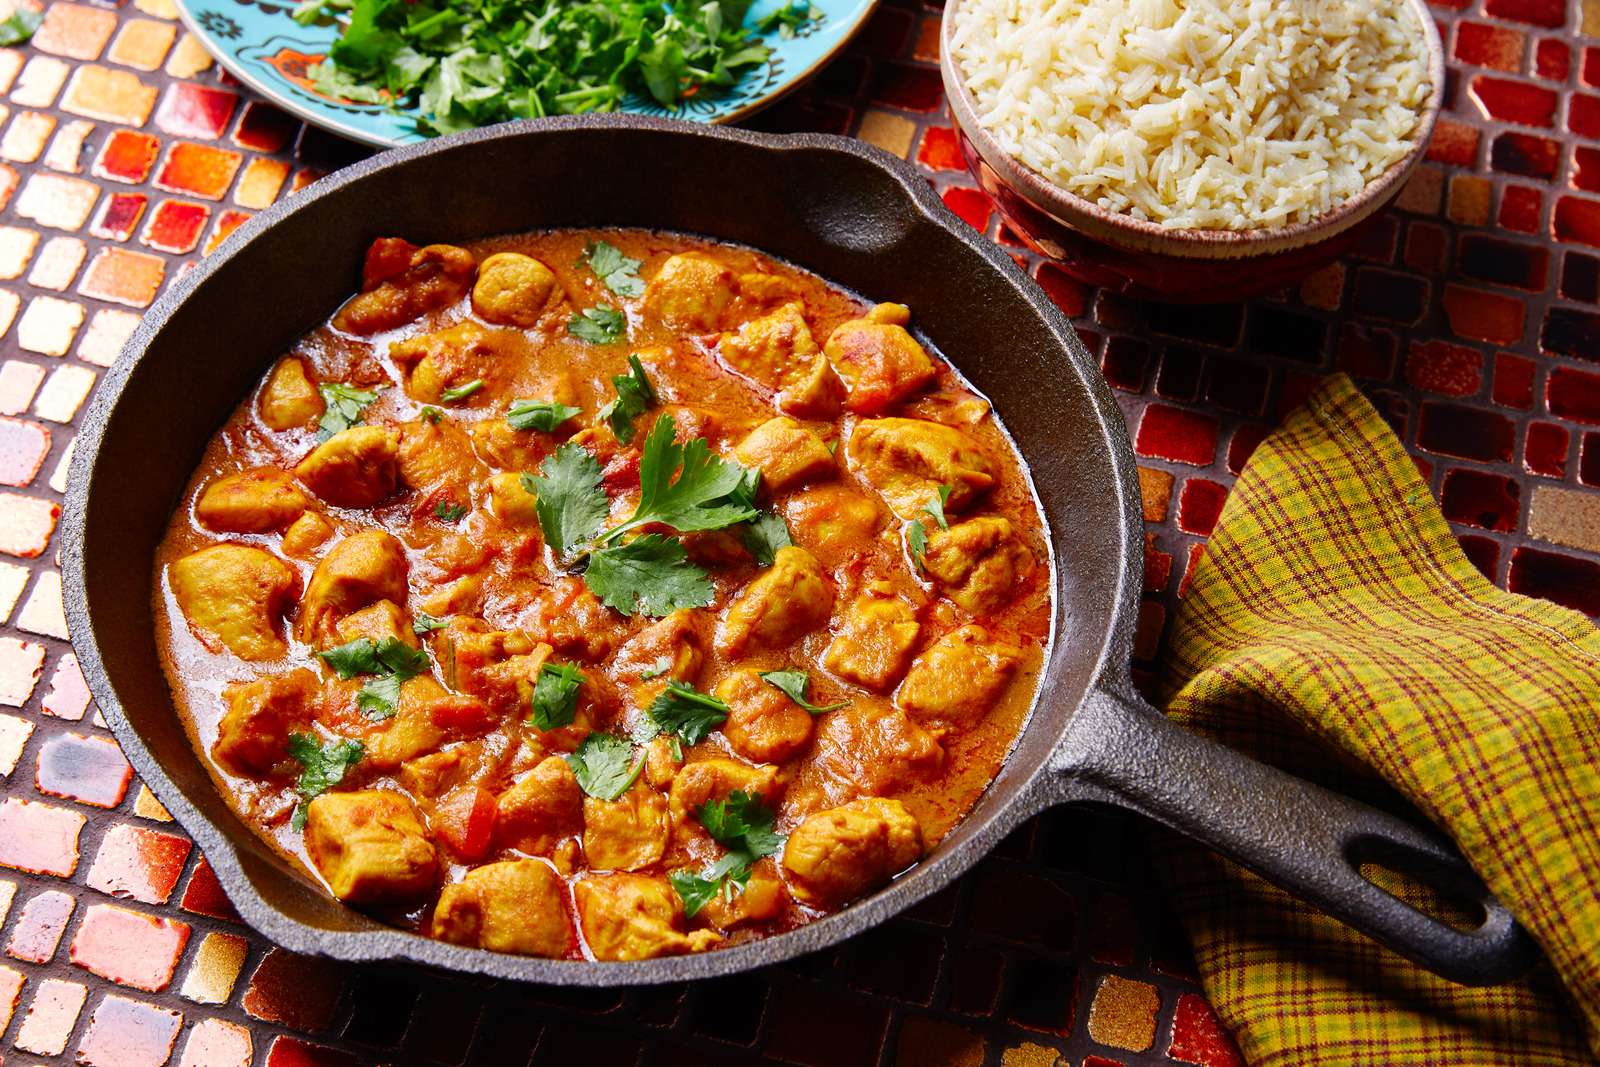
x,y
1420,883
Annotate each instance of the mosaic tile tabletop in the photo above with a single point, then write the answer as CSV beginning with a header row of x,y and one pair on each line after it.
x,y
1470,317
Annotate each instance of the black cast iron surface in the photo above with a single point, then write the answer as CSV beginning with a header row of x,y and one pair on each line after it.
x,y
858,217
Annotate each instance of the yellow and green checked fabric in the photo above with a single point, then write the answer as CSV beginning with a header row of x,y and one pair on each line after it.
x,y
1334,628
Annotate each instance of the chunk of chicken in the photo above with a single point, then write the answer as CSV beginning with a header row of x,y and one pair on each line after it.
x,y
253,734
363,568
762,288
874,644
354,468
834,521
760,900
667,648
383,620
499,666
436,459
703,781
978,563
880,362
462,596
787,600
512,503
689,292
874,750
543,808
369,846
252,501
574,621
504,447
290,399
778,351
626,834
635,917
305,535
428,717
232,595
513,290
446,359
513,906
787,454
959,678
437,276
763,724
907,460
835,856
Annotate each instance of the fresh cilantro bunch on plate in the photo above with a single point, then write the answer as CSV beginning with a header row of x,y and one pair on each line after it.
x,y
466,63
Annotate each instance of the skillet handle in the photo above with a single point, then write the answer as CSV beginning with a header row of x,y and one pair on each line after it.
x,y
1306,839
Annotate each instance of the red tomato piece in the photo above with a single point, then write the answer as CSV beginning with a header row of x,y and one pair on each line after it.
x,y
464,820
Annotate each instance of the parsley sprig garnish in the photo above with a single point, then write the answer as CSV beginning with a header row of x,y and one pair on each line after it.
x,y
345,404
620,273
20,25
605,766
742,824
708,493
391,659
555,696
323,766
635,395
599,325
569,503
543,415
794,685
684,711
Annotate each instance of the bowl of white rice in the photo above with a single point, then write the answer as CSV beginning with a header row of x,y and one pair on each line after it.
x,y
1130,138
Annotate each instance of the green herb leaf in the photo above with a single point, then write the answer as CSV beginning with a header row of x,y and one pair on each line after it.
x,y
461,392
635,396
794,684
431,414
322,768
20,25
449,512
651,575
425,623
555,695
935,507
619,273
344,406
764,535
599,325
400,659
708,493
917,541
380,698
364,656
697,890
542,415
570,505
742,823
661,666
602,765
683,710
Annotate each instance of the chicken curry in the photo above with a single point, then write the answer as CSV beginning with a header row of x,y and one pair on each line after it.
x,y
605,595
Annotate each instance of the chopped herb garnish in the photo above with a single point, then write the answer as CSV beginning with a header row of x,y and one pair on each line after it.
x,y
708,493
651,575
322,768
917,541
432,414
742,823
344,406
794,684
619,272
555,696
602,765
683,710
20,25
635,396
599,325
697,890
542,415
425,623
449,512
461,392
935,507
379,698
570,505
764,535
392,659
661,666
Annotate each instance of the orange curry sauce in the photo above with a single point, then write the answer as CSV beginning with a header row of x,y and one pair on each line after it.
x,y
419,511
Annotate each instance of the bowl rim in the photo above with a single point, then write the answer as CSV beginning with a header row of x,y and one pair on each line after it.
x,y
1191,242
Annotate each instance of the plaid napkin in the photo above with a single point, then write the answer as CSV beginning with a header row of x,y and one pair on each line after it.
x,y
1335,629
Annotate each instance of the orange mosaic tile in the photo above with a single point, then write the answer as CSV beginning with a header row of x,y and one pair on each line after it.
x,y
215,969
11,60
119,216
200,170
39,838
75,31
51,1016
1123,1013
227,222
143,43
138,863
57,201
129,1033
16,248
112,95
108,331
129,947
259,184
189,58
127,156
124,277
175,226
216,1043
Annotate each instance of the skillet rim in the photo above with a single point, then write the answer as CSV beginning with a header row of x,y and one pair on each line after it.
x,y
1045,786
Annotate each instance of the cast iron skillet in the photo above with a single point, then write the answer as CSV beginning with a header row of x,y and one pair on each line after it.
x,y
855,216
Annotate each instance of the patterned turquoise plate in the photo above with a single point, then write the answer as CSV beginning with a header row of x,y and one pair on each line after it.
x,y
261,45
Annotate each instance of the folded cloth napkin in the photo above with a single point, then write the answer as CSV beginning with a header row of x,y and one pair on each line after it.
x,y
1334,628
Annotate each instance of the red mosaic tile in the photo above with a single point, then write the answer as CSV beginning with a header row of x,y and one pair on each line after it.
x,y
1479,498
906,87
263,128
197,169
972,206
119,216
1385,294
190,110
1572,333
1177,435
175,226
40,926
940,150
299,992
1198,1036
1511,101
1545,450
1483,316
68,697
1455,143
1588,456
128,1033
1236,385
1583,115
1573,394
10,994
23,447
1580,277
1468,433
129,947
1364,352
1482,552
1246,439
1566,580
127,156
1199,504
1577,221
1178,377
1552,60
1157,566
204,896
90,770
39,838
1510,263
292,1052
1489,46
1064,291
227,222
1539,12
1519,208
1513,380
1441,367
1525,154
1426,245
1586,168
1589,73
138,864
1123,363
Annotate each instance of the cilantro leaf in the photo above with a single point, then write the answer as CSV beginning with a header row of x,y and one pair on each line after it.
x,y
764,535
329,79
20,25
917,541
599,325
709,493
400,659
695,892
391,657
449,512
683,710
380,698
555,695
635,396
425,623
461,392
935,507
344,406
742,823
352,658
322,767
650,575
794,685
570,504
601,765
543,415
619,272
